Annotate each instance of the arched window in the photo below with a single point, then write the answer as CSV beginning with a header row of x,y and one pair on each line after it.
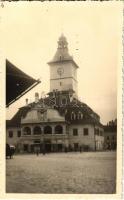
x,y
73,116
27,131
37,130
58,129
47,130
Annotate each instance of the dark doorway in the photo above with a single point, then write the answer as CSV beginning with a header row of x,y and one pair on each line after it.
x,y
25,147
76,146
48,148
32,148
59,147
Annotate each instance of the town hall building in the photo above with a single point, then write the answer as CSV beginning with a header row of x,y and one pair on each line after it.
x,y
58,122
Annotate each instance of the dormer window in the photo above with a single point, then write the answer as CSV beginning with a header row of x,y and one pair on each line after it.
x,y
64,101
80,115
73,116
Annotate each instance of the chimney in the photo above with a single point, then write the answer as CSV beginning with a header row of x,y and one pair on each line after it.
x,y
26,101
36,97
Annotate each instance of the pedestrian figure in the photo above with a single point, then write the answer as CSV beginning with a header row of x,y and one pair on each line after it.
x,y
44,152
37,152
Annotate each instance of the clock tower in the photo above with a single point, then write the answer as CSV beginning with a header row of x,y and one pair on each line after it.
x,y
63,69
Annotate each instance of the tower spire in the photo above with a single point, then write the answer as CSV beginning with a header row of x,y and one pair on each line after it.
x,y
62,53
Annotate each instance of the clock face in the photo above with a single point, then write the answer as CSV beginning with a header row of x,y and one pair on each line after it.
x,y
60,71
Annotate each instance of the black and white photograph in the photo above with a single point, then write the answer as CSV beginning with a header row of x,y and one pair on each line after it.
x,y
62,106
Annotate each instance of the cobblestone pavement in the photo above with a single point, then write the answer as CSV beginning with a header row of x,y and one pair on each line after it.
x,y
86,173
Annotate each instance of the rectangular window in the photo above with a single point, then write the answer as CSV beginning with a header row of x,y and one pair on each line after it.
x,y
96,131
100,133
19,133
37,141
75,131
86,132
10,134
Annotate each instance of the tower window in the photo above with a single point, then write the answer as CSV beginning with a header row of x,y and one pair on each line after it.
x,y
60,83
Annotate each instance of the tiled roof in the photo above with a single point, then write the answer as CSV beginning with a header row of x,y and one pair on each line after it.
x,y
15,121
89,116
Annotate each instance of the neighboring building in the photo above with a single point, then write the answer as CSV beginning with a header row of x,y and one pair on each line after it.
x,y
110,135
58,122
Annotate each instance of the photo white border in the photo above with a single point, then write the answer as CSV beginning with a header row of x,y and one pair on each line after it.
x,y
3,194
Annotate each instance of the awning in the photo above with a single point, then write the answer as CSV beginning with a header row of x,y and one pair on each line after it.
x,y
17,83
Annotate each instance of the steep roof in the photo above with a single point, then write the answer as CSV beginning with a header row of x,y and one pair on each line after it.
x,y
62,53
16,119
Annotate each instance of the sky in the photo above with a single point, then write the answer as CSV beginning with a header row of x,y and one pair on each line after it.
x,y
30,31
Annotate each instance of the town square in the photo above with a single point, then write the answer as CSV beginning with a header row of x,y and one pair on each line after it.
x,y
62,173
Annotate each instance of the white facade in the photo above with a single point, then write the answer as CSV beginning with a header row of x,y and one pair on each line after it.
x,y
66,79
59,129
74,137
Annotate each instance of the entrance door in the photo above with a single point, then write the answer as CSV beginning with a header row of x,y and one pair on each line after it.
x,y
59,147
32,148
76,146
48,147
25,147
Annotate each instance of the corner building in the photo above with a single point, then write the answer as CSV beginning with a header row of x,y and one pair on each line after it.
x,y
60,121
